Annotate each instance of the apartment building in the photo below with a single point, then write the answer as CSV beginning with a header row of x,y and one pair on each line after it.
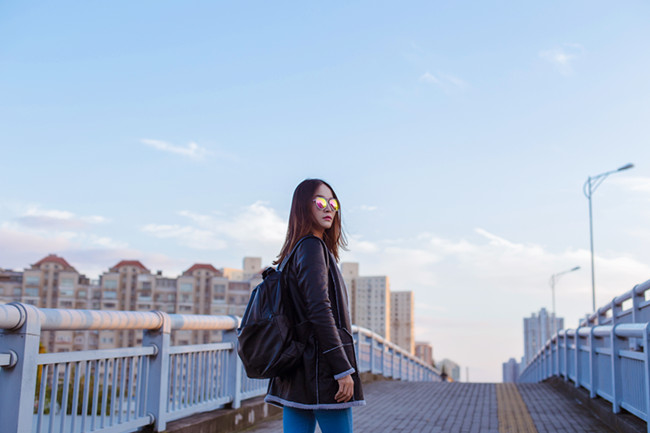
x,y
402,320
119,292
510,371
350,271
538,328
51,283
369,299
129,286
11,286
424,351
252,267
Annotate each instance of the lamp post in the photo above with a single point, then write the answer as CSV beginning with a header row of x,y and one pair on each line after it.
x,y
589,188
554,279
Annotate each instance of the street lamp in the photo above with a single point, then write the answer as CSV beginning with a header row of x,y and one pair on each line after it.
x,y
554,279
589,188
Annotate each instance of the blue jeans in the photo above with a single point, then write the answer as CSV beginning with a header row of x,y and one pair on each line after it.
x,y
304,420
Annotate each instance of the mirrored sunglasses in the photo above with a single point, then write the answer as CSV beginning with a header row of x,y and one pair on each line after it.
x,y
322,203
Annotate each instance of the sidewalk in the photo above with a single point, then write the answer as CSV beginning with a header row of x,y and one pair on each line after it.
x,y
419,407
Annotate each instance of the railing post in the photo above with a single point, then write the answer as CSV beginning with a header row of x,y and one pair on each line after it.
x,y
637,298
615,311
18,380
566,355
646,378
576,358
398,355
409,363
392,362
358,354
409,369
545,362
616,371
549,361
557,355
158,381
383,349
592,364
372,354
234,370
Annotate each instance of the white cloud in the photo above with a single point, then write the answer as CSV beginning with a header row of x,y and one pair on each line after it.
x,y
31,232
186,235
476,291
256,227
36,217
428,77
191,150
445,81
88,252
257,223
562,57
355,243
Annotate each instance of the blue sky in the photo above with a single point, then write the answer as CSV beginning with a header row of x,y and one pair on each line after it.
x,y
458,136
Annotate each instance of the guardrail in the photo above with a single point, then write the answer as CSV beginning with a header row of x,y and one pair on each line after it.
x,y
378,355
609,354
119,390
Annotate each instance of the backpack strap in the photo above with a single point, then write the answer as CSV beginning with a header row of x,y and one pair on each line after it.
x,y
330,273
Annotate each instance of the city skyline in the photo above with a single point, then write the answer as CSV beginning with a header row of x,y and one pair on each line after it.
x,y
52,282
457,137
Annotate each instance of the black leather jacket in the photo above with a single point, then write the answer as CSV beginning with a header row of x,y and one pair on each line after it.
x,y
320,304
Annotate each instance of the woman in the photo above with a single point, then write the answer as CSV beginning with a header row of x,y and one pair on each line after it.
x,y
325,385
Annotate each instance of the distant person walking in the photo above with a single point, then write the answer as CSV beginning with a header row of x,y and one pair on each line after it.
x,y
325,386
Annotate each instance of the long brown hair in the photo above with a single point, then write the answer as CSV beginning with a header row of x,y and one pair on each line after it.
x,y
301,220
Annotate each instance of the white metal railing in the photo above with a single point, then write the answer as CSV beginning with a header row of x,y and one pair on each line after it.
x,y
119,390
378,355
609,354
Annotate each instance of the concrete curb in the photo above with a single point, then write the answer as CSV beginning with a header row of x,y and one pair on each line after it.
x,y
250,413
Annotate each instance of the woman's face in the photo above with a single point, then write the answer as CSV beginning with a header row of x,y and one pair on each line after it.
x,y
323,219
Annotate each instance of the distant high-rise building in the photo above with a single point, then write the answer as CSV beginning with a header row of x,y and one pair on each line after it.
x,y
510,371
233,274
371,304
537,330
350,271
11,286
402,321
252,266
424,351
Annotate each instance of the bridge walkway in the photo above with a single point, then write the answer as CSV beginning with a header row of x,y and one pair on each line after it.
x,y
420,407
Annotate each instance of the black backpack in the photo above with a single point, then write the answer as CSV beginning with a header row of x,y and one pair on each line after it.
x,y
266,335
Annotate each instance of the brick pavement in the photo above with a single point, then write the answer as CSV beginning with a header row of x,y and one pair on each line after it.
x,y
425,407
554,412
